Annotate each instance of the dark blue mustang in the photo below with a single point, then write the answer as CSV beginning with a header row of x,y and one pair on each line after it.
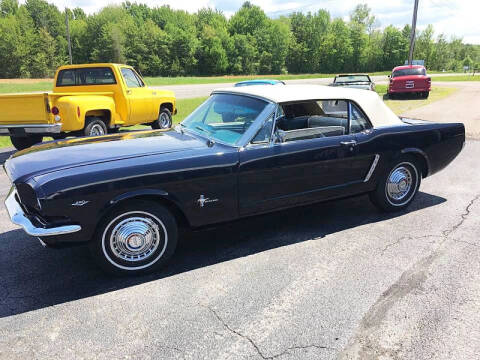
x,y
244,151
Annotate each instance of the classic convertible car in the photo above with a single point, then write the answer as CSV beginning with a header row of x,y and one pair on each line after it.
x,y
357,81
244,151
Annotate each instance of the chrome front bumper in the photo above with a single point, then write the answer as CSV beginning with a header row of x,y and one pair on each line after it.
x,y
17,216
31,129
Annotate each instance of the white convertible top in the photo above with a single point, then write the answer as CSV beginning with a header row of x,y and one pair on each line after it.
x,y
373,106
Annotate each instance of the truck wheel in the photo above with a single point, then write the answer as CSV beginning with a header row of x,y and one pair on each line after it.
x,y
164,120
136,238
426,94
95,127
25,142
398,186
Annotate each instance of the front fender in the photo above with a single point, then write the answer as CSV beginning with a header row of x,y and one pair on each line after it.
x,y
154,194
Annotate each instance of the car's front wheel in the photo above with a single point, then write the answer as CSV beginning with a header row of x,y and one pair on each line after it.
x,y
138,237
164,120
397,188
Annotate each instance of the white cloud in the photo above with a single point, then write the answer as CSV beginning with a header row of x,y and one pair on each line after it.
x,y
451,17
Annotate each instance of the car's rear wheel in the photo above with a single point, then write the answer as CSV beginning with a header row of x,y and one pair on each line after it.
x,y
164,120
397,188
95,127
24,142
138,237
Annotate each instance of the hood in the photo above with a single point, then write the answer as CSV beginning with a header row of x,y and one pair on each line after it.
x,y
63,154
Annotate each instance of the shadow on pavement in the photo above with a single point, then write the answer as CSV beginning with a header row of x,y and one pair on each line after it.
x,y
32,277
5,154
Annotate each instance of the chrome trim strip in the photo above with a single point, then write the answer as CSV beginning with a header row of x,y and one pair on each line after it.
x,y
17,216
372,168
32,128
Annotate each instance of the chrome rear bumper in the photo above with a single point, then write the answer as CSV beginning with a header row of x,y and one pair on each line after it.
x,y
17,216
30,129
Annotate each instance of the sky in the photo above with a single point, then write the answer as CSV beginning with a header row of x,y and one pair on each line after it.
x,y
451,17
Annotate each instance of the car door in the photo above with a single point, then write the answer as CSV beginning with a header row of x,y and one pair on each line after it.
x,y
283,174
139,98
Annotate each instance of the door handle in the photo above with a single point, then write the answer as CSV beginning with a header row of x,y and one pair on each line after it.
x,y
350,144
129,92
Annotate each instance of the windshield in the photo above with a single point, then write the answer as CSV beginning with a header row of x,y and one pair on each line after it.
x,y
409,71
352,78
224,117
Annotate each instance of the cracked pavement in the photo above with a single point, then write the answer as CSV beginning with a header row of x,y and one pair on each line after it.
x,y
333,280
336,280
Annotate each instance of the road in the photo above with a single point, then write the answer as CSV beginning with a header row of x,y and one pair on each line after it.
x,y
333,280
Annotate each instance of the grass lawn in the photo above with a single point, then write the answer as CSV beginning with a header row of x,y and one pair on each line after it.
x,y
186,106
25,87
399,106
457,78
188,80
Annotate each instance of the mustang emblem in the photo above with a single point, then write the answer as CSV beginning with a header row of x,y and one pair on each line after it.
x,y
80,203
203,200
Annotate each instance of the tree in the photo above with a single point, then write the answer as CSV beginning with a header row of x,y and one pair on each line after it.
x,y
8,7
394,46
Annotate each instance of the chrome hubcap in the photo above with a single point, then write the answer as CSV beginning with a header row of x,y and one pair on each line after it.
x,y
135,239
97,130
399,183
164,121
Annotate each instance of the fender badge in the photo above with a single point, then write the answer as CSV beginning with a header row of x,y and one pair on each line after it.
x,y
80,203
203,200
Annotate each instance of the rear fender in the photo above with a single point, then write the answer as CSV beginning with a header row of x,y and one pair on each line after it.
x,y
421,156
74,109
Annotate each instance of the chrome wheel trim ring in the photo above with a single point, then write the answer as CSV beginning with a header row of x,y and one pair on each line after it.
x,y
97,130
400,182
129,230
164,120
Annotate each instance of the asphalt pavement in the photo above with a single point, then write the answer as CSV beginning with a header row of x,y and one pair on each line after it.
x,y
332,280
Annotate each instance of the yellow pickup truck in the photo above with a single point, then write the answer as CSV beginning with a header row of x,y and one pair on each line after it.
x,y
87,100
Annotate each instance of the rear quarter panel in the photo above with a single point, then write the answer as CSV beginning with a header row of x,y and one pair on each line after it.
x,y
69,106
438,144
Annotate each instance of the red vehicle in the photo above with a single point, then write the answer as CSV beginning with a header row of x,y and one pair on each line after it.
x,y
409,79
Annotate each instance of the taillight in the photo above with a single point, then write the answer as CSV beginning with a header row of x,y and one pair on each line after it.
x,y
55,111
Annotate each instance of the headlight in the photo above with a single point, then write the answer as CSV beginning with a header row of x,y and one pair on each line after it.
x,y
27,196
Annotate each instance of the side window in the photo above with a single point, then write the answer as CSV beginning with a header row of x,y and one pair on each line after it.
x,y
131,79
335,108
358,121
265,133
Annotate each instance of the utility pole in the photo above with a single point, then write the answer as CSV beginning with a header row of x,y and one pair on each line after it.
x,y
412,35
68,35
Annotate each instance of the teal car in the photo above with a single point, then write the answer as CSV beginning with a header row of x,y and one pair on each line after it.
x,y
259,82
